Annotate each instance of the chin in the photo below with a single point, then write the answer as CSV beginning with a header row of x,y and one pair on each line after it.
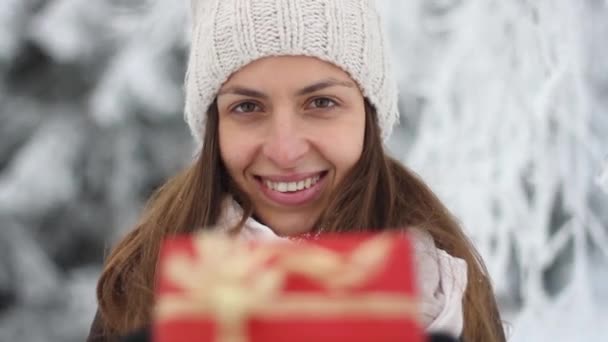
x,y
292,226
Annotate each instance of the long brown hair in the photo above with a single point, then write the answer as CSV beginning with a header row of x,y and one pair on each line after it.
x,y
377,194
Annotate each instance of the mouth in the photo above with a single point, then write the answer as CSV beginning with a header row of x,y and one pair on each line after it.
x,y
292,190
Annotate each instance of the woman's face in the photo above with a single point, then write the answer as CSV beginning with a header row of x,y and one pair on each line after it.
x,y
290,128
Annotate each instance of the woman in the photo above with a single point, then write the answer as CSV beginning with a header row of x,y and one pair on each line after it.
x,y
290,102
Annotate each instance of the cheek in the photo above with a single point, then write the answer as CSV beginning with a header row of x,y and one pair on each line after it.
x,y
234,150
344,149
345,155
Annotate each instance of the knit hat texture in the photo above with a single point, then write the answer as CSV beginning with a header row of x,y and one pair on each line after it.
x,y
229,34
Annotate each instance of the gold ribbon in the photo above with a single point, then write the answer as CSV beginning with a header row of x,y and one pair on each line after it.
x,y
229,282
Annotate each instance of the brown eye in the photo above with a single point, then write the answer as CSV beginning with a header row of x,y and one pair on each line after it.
x,y
246,107
323,102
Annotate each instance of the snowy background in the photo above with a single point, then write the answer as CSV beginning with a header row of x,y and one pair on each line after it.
x,y
504,113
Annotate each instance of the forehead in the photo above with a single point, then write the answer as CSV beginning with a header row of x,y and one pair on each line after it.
x,y
286,71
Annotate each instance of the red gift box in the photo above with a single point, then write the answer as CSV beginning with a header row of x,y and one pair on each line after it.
x,y
334,288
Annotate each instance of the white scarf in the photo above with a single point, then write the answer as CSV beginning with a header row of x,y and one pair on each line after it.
x,y
442,278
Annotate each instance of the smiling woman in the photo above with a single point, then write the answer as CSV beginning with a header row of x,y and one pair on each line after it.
x,y
290,103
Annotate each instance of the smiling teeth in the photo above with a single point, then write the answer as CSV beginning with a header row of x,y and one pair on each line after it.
x,y
292,186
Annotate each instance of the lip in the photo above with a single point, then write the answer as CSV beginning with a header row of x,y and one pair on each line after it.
x,y
297,198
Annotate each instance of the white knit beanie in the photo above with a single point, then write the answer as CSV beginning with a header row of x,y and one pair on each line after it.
x,y
229,34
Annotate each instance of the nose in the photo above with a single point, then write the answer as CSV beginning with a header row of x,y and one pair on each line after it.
x,y
285,144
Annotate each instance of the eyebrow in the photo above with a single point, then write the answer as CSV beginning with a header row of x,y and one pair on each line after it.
x,y
327,83
323,84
